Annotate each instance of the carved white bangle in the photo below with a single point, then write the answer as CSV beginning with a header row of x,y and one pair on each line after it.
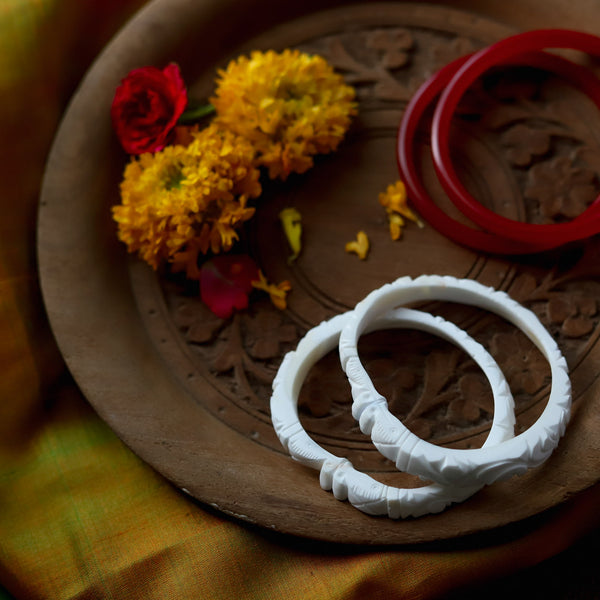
x,y
448,465
338,474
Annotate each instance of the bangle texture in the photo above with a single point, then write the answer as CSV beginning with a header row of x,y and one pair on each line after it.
x,y
337,473
448,465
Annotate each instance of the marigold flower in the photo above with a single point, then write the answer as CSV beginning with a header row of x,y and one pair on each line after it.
x,y
277,292
290,105
360,246
183,201
395,201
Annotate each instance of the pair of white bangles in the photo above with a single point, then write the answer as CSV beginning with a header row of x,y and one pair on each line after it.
x,y
457,473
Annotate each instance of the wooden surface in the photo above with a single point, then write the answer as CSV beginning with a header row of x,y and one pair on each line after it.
x,y
189,393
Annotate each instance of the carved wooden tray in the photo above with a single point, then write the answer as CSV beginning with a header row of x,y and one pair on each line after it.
x,y
189,393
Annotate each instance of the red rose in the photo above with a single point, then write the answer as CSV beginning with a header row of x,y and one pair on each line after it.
x,y
146,107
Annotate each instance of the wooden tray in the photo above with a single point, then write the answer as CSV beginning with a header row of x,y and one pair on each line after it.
x,y
189,393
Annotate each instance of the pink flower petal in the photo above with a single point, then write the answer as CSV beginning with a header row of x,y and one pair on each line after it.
x,y
226,282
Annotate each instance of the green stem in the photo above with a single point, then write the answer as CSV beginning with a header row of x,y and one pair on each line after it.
x,y
196,113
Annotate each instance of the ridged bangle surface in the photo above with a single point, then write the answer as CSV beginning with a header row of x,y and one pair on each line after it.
x,y
448,465
337,473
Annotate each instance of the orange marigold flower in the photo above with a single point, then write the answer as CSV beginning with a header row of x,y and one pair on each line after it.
x,y
290,105
183,201
277,292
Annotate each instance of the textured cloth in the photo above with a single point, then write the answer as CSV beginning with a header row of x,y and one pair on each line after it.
x,y
80,515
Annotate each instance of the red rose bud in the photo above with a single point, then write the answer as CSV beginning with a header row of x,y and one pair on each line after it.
x,y
226,282
146,107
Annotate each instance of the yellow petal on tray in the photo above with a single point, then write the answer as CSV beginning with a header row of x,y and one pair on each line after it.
x,y
360,246
396,224
395,201
291,222
277,291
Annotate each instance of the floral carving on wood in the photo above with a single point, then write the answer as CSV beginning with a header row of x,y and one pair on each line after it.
x,y
561,188
539,130
245,349
566,296
522,365
541,125
388,64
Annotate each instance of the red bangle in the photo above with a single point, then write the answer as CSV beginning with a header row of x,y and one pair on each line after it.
x,y
546,236
451,228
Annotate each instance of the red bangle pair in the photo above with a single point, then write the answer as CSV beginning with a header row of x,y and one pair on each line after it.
x,y
500,234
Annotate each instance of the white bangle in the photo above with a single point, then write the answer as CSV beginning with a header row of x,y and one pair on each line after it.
x,y
338,474
449,465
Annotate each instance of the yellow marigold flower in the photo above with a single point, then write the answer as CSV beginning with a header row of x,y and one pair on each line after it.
x,y
183,201
360,246
290,105
395,201
277,292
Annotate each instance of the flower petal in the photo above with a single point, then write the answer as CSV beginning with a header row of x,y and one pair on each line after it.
x,y
291,222
225,282
360,246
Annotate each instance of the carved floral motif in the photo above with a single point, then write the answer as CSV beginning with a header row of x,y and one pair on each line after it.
x,y
539,123
393,46
546,146
523,144
523,366
561,188
241,348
